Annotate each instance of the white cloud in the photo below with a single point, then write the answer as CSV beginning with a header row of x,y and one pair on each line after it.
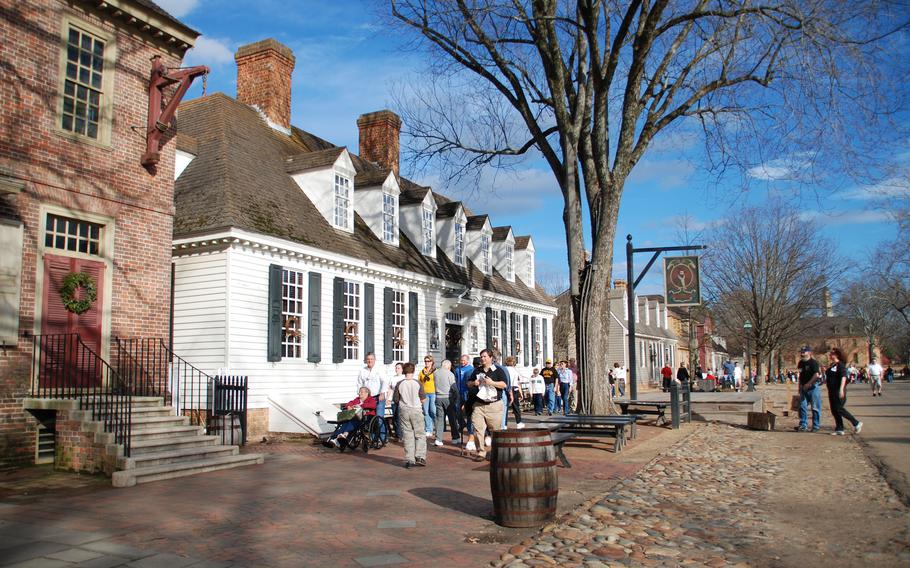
x,y
780,169
848,217
210,51
178,8
663,174
520,191
891,187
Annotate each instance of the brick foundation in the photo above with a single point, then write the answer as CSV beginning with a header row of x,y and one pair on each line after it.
x,y
257,424
83,445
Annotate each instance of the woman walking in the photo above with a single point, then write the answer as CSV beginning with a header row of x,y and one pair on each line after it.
x,y
427,379
836,381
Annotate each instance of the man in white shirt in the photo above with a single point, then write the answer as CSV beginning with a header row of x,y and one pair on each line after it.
x,y
875,377
374,379
737,377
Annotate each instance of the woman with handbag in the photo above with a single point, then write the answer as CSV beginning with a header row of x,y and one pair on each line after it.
x,y
427,379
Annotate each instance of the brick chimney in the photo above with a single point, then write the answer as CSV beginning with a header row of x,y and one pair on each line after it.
x,y
264,79
619,284
379,133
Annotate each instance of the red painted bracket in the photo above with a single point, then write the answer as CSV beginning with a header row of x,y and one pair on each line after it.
x,y
160,120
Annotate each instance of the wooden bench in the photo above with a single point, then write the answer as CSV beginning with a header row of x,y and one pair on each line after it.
x,y
657,408
559,438
616,431
580,420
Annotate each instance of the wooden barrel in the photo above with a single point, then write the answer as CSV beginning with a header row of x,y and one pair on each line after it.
x,y
523,477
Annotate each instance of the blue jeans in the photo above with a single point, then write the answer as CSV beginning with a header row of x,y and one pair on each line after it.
x,y
811,397
380,412
538,403
551,398
429,412
564,388
396,420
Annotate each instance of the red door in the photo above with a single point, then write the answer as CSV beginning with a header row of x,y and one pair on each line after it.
x,y
68,366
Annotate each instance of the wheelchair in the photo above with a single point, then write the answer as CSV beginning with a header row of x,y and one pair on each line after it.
x,y
368,435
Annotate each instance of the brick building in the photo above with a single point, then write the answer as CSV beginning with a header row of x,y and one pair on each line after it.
x,y
74,198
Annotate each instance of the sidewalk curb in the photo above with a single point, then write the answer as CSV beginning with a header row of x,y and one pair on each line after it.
x,y
895,479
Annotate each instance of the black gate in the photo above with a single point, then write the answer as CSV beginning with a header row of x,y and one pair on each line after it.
x,y
229,402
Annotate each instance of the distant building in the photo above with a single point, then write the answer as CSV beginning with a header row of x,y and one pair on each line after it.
x,y
656,343
825,332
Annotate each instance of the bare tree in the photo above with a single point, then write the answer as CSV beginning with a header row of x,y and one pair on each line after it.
x,y
869,307
588,85
768,268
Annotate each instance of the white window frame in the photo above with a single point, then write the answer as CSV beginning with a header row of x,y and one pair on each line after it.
x,y
518,338
496,336
538,348
475,339
459,243
399,322
342,204
428,230
485,253
389,217
67,232
352,318
510,261
293,305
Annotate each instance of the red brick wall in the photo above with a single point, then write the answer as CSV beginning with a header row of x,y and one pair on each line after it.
x,y
264,79
106,181
77,449
379,138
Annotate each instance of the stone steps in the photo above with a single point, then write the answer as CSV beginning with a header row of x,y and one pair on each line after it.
x,y
148,433
164,444
141,422
176,455
130,477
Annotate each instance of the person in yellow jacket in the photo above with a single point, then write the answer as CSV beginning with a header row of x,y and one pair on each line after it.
x,y
427,379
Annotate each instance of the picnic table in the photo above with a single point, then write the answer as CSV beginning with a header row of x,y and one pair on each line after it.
x,y
595,426
657,408
580,420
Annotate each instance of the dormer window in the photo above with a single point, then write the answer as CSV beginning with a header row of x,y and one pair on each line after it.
x,y
389,226
510,267
485,253
342,201
459,244
429,234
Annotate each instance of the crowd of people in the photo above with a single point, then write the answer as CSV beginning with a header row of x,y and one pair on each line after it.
x,y
469,400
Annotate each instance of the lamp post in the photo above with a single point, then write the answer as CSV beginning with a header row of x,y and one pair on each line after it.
x,y
747,328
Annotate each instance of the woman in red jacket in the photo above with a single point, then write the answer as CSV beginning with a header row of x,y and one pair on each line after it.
x,y
364,402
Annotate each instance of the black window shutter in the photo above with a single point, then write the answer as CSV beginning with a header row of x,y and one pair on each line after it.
x,y
314,331
543,326
503,335
534,361
369,341
338,320
512,336
412,326
274,333
388,319
525,344
489,328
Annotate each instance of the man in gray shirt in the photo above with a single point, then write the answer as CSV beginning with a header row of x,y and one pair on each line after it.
x,y
409,396
445,378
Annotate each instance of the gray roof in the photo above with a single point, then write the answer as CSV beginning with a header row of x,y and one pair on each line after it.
x,y
239,180
501,233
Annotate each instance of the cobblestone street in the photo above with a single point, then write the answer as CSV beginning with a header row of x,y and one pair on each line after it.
x,y
729,496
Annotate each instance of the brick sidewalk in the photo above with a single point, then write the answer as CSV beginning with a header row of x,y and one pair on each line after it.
x,y
307,506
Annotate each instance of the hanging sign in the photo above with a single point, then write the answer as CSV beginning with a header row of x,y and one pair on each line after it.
x,y
682,281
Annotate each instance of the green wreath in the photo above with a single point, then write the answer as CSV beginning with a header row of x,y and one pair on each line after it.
x,y
72,282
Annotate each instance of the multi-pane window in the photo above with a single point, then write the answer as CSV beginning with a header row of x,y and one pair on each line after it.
x,y
398,327
389,227
485,253
537,345
429,239
342,201
74,235
292,307
475,342
519,348
351,320
82,86
459,244
494,328
510,255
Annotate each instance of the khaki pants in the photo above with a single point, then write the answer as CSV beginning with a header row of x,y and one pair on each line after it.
x,y
412,433
486,416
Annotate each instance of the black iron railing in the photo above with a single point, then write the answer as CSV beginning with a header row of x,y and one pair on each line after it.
x,y
64,367
160,372
229,404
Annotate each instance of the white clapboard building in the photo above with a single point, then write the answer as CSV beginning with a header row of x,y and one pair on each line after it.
x,y
294,257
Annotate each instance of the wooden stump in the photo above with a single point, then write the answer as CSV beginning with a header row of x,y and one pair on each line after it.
x,y
761,420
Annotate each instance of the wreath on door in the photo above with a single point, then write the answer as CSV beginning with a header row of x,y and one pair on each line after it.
x,y
71,283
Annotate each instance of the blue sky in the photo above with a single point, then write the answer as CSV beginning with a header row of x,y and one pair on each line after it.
x,y
348,64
